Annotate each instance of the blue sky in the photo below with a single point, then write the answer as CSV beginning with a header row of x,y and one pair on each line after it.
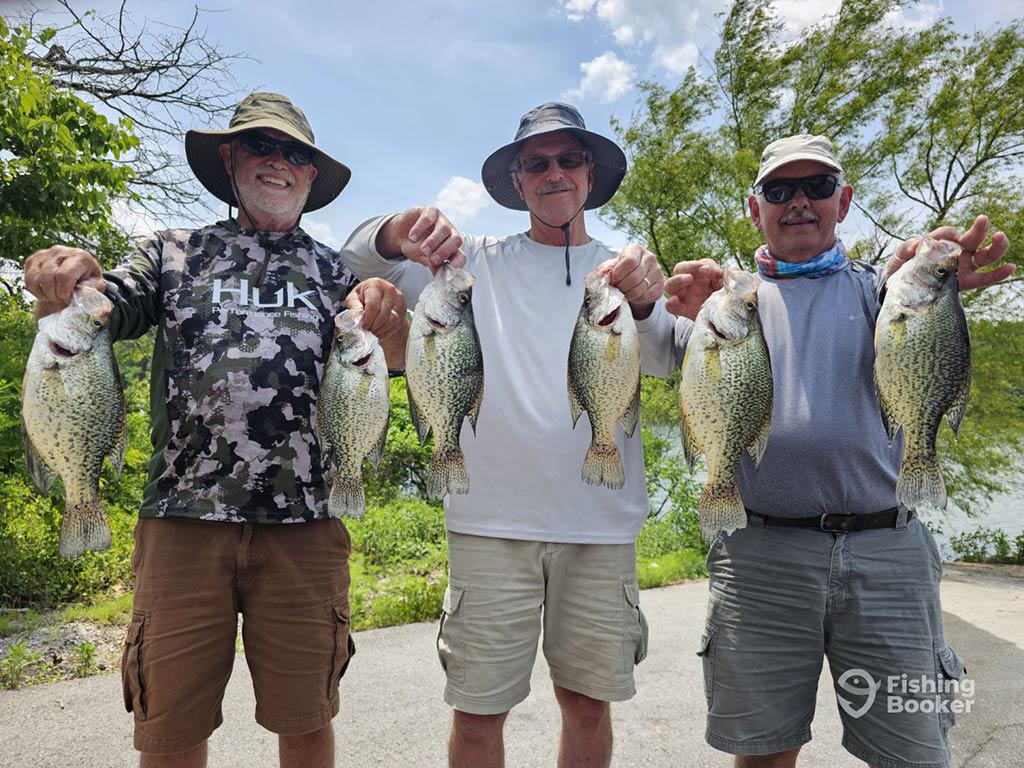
x,y
414,95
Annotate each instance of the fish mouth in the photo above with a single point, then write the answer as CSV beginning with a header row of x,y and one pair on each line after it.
x,y
610,318
58,351
718,334
435,323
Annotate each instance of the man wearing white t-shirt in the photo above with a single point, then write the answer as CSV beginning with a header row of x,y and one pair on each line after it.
x,y
531,545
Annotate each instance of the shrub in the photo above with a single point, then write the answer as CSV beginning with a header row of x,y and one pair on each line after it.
x,y
403,530
32,572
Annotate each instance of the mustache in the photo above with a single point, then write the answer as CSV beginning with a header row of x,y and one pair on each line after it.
x,y
556,186
802,216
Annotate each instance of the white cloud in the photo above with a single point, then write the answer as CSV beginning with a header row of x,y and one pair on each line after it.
x,y
797,15
461,199
576,10
669,26
605,78
321,232
917,17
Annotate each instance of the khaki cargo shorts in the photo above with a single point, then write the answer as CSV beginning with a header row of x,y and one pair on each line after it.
x,y
192,580
502,592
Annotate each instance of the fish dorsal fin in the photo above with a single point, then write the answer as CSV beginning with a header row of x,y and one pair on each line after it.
x,y
377,452
42,475
632,415
421,425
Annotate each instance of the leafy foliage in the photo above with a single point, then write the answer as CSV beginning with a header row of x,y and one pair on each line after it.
x,y
57,171
405,529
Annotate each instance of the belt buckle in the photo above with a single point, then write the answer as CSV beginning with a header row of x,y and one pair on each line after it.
x,y
836,522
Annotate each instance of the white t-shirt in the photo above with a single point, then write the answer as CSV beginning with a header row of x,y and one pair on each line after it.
x,y
524,461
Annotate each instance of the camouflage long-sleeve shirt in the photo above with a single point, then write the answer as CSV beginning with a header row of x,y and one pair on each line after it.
x,y
236,368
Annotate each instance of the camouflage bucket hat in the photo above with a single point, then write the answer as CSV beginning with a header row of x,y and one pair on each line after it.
x,y
266,111
609,159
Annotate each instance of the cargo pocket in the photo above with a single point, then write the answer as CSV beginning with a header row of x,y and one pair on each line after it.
x,y
715,545
948,668
131,667
449,652
635,627
708,641
344,647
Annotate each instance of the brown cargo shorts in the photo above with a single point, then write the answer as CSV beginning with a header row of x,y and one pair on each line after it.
x,y
193,578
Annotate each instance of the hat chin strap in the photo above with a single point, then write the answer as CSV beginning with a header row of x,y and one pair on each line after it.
x,y
261,236
565,234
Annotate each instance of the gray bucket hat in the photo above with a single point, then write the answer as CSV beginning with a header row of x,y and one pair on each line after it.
x,y
266,111
803,146
609,159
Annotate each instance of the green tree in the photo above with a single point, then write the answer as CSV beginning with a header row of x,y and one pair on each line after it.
x,y
58,175
929,126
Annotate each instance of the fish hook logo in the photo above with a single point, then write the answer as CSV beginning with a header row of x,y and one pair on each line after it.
x,y
848,681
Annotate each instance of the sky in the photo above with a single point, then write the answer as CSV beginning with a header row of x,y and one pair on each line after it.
x,y
413,96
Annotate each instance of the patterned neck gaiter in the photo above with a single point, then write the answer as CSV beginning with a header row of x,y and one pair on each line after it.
x,y
830,261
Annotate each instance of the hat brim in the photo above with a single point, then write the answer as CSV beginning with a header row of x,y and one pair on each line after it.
x,y
609,168
202,149
817,157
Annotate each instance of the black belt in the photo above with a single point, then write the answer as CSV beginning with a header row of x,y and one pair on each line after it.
x,y
837,522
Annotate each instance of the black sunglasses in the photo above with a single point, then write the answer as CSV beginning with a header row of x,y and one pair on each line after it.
x,y
261,145
567,161
817,187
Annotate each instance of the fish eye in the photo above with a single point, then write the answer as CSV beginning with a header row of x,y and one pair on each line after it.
x,y
941,271
97,323
340,337
463,298
750,304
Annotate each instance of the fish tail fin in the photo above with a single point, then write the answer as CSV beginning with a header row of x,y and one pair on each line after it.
x,y
347,497
603,466
84,526
920,483
720,509
447,473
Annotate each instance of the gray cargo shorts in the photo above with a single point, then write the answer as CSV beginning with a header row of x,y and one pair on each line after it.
x,y
781,599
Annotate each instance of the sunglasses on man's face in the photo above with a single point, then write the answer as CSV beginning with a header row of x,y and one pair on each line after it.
x,y
261,145
817,187
567,161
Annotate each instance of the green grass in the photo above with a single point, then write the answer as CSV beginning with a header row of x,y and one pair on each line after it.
x,y
104,610
670,568
18,621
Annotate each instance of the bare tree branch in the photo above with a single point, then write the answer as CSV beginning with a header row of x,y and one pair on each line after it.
x,y
165,79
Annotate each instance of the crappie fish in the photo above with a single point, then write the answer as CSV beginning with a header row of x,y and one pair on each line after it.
x,y
725,397
353,410
444,374
73,414
604,377
923,365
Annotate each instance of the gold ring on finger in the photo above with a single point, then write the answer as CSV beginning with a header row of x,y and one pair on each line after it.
x,y
647,282
974,262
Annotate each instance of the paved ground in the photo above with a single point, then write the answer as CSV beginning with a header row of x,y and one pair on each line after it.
x,y
393,715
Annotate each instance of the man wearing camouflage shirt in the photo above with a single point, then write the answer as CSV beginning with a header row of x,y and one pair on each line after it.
x,y
244,313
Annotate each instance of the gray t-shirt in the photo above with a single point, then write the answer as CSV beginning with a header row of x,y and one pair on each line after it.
x,y
827,451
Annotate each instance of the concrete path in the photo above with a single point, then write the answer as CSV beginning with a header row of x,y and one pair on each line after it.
x,y
392,713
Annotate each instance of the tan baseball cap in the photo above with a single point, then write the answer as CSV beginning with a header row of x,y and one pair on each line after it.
x,y
803,146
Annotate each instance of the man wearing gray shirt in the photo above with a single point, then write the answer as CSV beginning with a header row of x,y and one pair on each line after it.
x,y
828,563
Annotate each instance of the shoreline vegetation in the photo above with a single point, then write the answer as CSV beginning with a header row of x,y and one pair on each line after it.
x,y
399,575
